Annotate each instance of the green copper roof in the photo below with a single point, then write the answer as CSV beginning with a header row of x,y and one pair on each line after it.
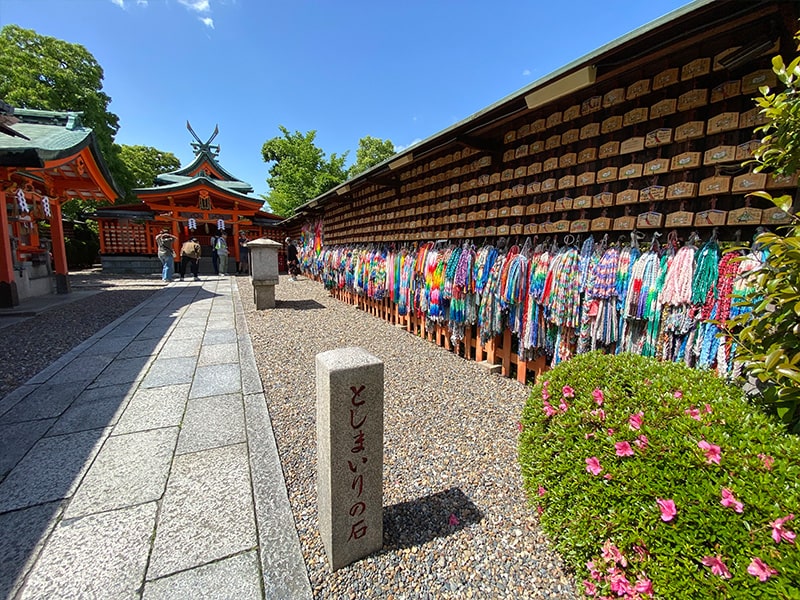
x,y
235,186
189,182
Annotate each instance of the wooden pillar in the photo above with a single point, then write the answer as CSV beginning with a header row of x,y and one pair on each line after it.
x,y
59,248
9,296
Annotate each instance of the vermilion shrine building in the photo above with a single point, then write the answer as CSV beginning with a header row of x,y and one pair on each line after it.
x,y
193,201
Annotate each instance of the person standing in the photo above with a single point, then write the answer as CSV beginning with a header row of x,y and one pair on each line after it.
x,y
166,254
291,259
190,255
214,254
244,254
221,246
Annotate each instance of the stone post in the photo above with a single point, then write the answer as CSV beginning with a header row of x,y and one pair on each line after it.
x,y
349,454
264,271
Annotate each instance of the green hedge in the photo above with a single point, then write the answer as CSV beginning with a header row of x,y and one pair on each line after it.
x,y
732,473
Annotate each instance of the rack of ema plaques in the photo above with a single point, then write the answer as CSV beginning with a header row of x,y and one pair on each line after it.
x,y
264,271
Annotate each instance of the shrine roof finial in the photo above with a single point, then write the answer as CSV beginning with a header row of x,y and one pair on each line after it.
x,y
199,146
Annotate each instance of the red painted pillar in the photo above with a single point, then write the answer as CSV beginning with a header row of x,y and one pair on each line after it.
x,y
59,249
9,296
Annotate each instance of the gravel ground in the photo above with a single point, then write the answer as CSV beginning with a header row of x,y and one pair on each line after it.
x,y
31,344
449,447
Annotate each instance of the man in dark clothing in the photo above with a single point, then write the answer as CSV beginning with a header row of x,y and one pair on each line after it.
x,y
190,254
291,259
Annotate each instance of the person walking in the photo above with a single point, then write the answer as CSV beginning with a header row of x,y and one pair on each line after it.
x,y
214,254
244,254
166,254
291,259
190,255
221,246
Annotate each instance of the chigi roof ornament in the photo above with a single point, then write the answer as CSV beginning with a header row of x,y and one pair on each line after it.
x,y
200,146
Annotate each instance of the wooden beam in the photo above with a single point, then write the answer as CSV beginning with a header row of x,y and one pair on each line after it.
x,y
478,144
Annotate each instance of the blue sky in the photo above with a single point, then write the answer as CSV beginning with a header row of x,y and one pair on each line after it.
x,y
394,70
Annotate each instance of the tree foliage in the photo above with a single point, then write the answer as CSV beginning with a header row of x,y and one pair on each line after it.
x,y
371,151
768,337
146,162
300,170
45,73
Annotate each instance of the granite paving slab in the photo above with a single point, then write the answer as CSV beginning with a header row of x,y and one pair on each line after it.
x,y
170,371
98,556
141,348
153,408
206,513
22,534
84,367
192,322
109,344
183,333
51,470
234,578
210,422
123,370
220,336
90,415
251,380
16,439
129,469
216,323
216,380
11,399
45,402
218,353
177,348
120,393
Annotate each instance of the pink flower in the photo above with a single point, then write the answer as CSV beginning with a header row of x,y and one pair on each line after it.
x,y
589,588
593,466
619,583
717,566
611,553
593,572
708,408
567,392
623,449
519,426
641,552
610,431
694,413
540,509
549,411
597,394
730,501
635,420
599,413
641,442
767,460
644,586
542,491
758,568
563,406
589,436
545,394
712,451
677,394
608,476
779,533
453,520
668,510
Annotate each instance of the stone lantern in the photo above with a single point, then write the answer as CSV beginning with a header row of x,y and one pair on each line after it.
x,y
264,271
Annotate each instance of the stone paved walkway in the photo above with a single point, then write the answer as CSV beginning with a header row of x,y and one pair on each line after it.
x,y
142,464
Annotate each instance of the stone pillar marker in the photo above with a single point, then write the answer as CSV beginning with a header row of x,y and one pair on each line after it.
x,y
349,454
264,271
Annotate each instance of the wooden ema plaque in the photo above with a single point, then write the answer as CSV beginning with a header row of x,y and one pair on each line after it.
x,y
680,218
582,202
507,175
580,226
504,211
747,150
634,116
745,216
503,230
778,182
547,207
637,89
653,193
561,226
570,136
630,196
682,189
546,227
601,224
494,195
572,113
615,96
587,178
517,229
521,151
719,184
590,130
554,141
566,182
508,155
520,172
664,108
603,200
611,124
609,149
749,182
563,203
693,99
532,209
689,131
538,126
775,216
666,78
626,223
630,171
534,187
570,159
534,168
725,90
591,105
726,121
634,144
491,213
710,218
696,68
763,77
530,229
490,230
656,167
649,220
510,136
555,119
687,160
607,174
658,137
494,178
536,147
548,185
719,154
752,118
587,155
517,210
523,131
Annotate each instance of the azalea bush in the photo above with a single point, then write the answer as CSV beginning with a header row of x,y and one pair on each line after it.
x,y
656,480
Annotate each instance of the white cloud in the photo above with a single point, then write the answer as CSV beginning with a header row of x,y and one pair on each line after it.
x,y
526,72
208,22
141,2
120,3
201,6
399,149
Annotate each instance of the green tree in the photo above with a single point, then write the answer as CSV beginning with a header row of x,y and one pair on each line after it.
x,y
300,170
371,151
42,72
146,162
768,337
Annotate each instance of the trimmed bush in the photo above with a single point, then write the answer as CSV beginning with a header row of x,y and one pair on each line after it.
x,y
654,479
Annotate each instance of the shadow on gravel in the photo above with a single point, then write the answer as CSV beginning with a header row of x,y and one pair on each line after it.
x,y
298,304
412,523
